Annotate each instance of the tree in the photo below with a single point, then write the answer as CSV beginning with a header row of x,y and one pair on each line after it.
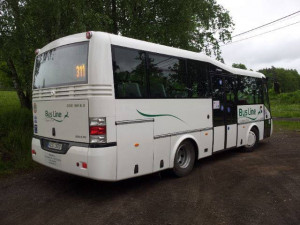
x,y
197,25
239,66
283,80
5,81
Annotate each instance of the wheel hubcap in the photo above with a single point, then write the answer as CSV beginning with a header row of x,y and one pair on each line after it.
x,y
183,157
251,139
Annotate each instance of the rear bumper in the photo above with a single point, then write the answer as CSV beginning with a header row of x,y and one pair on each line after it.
x,y
101,162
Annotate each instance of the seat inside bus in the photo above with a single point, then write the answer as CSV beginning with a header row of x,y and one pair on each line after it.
x,y
129,90
158,91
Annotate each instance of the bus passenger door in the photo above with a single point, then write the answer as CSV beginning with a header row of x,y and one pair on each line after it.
x,y
267,111
218,112
230,111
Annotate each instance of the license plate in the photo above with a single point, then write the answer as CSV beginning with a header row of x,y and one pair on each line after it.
x,y
53,145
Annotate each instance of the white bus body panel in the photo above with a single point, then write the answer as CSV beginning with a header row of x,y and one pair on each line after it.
x,y
219,138
231,135
170,115
135,149
62,119
162,148
101,162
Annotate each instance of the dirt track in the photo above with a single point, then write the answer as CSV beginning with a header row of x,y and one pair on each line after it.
x,y
262,187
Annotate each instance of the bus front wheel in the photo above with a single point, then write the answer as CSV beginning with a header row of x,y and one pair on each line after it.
x,y
252,141
184,159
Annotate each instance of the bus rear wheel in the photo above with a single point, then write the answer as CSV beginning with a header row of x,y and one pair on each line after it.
x,y
252,141
184,159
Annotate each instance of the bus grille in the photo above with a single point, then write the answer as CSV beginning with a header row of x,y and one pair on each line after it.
x,y
81,91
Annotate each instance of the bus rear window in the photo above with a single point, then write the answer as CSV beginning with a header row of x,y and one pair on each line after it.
x,y
60,66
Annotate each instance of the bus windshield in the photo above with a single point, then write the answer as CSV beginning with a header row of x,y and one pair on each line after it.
x,y
61,66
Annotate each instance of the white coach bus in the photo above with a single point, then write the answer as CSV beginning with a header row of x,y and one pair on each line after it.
x,y
109,108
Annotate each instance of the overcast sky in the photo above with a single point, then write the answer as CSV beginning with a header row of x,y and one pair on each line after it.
x,y
280,48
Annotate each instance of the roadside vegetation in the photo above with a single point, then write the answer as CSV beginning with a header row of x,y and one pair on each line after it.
x,y
15,134
286,105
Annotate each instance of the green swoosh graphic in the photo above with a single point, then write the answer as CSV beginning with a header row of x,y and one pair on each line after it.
x,y
56,120
251,118
159,115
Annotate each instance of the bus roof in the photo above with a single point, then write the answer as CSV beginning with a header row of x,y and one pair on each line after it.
x,y
162,49
151,47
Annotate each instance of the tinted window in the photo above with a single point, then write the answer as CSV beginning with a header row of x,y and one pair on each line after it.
x,y
259,91
218,99
266,97
249,91
167,77
129,73
198,79
61,66
230,87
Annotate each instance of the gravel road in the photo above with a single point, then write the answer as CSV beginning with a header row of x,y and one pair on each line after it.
x,y
231,188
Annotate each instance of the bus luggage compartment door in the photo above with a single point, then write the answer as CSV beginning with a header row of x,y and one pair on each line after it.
x,y
135,149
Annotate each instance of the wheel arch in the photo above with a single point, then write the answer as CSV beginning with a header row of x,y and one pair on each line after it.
x,y
255,126
189,137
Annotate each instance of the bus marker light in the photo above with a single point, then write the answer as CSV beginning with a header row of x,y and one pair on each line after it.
x,y
206,134
89,34
84,165
33,152
136,145
243,126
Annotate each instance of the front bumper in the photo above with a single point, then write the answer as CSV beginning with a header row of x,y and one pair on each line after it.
x,y
101,162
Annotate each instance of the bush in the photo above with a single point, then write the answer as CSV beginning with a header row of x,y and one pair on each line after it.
x,y
15,134
285,98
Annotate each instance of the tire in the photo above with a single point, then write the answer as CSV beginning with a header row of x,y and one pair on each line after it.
x,y
184,159
252,141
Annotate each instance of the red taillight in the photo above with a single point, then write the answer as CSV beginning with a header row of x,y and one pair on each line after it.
x,y
33,152
89,34
97,130
84,165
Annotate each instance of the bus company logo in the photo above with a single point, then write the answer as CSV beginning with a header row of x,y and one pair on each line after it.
x,y
249,113
55,116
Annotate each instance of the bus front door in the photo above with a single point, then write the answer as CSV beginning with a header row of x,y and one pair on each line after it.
x,y
224,111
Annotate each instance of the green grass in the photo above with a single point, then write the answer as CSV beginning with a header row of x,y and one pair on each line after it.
x,y
285,104
15,134
286,125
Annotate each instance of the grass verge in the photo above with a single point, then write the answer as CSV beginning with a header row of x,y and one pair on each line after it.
x,y
15,135
285,104
286,125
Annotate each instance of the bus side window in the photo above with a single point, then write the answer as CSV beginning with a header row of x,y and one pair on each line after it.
x,y
198,79
129,73
249,91
167,76
265,95
259,91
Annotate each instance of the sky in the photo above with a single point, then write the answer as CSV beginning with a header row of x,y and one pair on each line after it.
x,y
279,48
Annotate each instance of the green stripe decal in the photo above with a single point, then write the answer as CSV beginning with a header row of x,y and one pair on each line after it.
x,y
159,115
250,118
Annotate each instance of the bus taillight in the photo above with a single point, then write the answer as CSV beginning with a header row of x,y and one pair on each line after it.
x,y
98,130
